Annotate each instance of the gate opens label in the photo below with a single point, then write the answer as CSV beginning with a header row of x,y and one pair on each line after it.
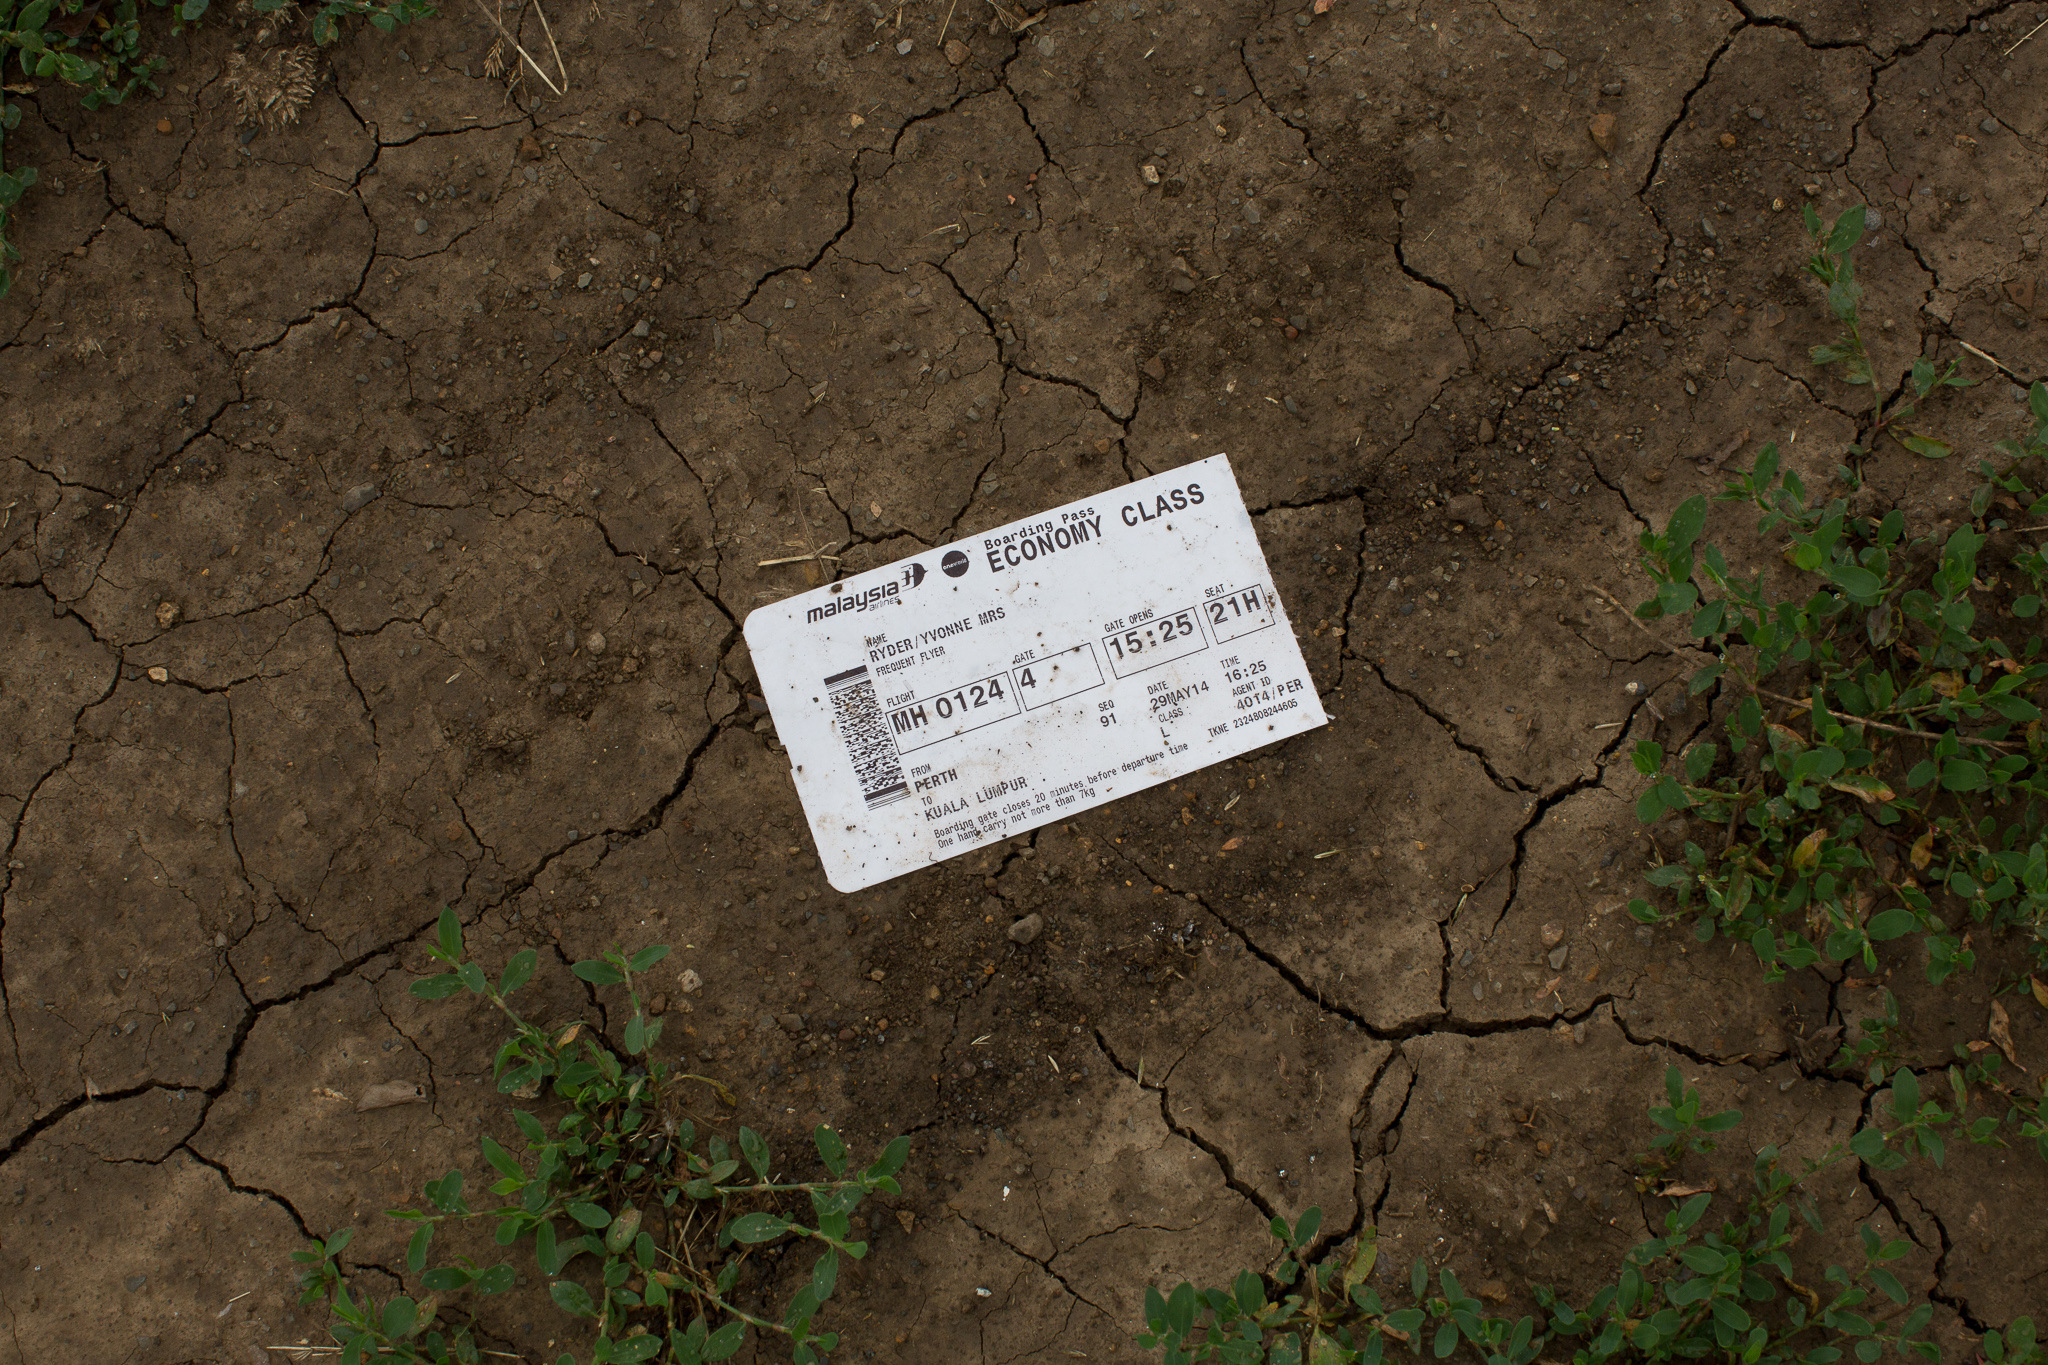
x,y
981,689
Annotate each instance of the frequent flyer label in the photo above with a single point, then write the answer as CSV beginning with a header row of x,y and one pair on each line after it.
x,y
981,689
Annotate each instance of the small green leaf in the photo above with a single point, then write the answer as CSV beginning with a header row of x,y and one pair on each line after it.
x,y
416,1249
756,1227
436,987
1699,761
398,1316
571,1297
590,1215
723,1343
506,1163
647,957
518,971
598,973
473,977
1927,447
635,1349
892,1158
445,1279
1890,924
1847,231
756,1152
496,1280
449,930
1961,775
831,1149
1648,757
1363,1257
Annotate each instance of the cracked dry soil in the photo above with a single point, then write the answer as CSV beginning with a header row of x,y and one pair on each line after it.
x,y
363,432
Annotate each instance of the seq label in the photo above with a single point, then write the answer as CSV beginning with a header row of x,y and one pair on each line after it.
x,y
981,689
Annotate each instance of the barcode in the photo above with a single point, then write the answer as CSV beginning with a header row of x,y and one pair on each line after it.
x,y
857,716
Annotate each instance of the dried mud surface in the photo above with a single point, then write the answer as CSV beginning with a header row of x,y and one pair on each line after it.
x,y
354,430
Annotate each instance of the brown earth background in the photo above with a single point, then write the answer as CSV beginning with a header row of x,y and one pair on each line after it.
x,y
350,428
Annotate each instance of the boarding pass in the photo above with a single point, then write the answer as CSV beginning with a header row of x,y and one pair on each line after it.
x,y
978,690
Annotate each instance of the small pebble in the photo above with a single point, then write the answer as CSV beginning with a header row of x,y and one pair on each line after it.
x,y
419,227
1989,125
903,48
691,982
593,643
1529,256
1027,929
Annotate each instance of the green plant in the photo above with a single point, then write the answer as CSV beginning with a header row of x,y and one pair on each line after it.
x,y
99,48
1878,710
1698,1291
620,1177
1830,264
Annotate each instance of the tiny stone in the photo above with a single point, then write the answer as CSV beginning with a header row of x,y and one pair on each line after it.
x,y
419,227
1155,368
1612,88
1553,934
583,280
1989,125
878,975
359,497
691,982
593,643
1486,431
1181,284
159,675
642,327
956,52
134,1282
1529,256
1601,129
1028,928
903,48
1558,955
1478,991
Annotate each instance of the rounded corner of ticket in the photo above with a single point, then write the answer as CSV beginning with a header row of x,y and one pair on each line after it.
x,y
978,690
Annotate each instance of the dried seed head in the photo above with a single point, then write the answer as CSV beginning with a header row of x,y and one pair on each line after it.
x,y
271,87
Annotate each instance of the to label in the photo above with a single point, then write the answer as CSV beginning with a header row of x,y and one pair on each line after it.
x,y
981,689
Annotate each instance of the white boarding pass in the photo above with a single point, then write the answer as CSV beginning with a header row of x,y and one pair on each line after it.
x,y
980,689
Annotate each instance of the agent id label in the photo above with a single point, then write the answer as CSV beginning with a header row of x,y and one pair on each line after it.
x,y
978,690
